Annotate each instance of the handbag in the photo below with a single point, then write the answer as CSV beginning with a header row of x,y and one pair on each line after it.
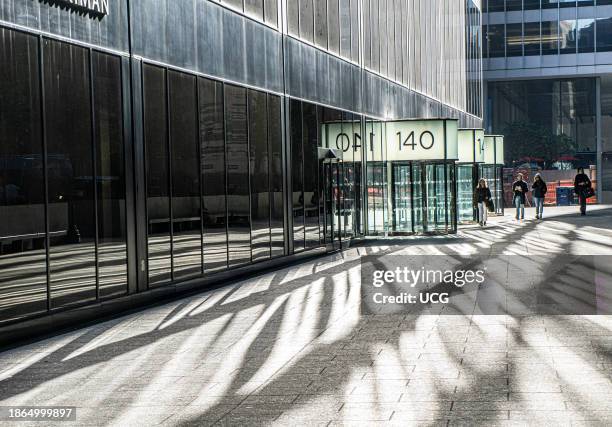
x,y
589,192
490,206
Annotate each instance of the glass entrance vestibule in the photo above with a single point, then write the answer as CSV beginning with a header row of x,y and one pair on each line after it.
x,y
411,177
492,169
471,156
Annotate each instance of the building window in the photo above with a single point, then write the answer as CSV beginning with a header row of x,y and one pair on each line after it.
x,y
550,4
604,35
495,39
110,171
297,174
567,3
72,249
237,164
185,170
531,4
22,186
567,36
277,216
514,5
531,39
550,38
158,174
212,143
260,180
496,5
586,35
514,39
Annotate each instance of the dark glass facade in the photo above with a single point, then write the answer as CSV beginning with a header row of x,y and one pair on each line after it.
x,y
187,144
553,121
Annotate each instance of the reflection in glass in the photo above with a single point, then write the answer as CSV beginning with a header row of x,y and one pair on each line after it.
x,y
23,268
550,38
277,219
297,174
604,35
531,38
311,176
110,180
586,35
238,200
495,40
260,181
254,8
186,201
567,35
514,39
72,251
212,142
158,185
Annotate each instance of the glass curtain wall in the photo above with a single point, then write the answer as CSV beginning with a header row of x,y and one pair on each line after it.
x,y
214,175
313,128
63,233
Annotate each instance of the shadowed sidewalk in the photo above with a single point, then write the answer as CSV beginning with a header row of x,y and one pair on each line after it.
x,y
292,347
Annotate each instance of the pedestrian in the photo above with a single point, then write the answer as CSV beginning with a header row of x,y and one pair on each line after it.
x,y
539,192
583,188
520,196
482,198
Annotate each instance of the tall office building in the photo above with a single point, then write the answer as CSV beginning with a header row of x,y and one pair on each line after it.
x,y
153,146
548,85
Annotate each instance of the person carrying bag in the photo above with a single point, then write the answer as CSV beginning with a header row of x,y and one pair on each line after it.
x,y
482,198
583,189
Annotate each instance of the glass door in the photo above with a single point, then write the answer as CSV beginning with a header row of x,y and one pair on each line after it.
x,y
417,199
402,195
465,193
330,171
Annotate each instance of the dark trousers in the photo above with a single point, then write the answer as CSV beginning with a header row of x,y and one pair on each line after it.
x,y
583,203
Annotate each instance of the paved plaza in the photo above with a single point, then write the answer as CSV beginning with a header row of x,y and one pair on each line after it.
x,y
293,347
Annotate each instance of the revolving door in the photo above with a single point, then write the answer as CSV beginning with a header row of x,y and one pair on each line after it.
x,y
423,198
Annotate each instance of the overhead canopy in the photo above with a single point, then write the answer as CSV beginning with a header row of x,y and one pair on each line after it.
x,y
471,146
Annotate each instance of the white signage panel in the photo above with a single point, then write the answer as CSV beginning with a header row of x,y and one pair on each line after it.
x,y
422,140
499,152
471,145
480,146
494,150
404,140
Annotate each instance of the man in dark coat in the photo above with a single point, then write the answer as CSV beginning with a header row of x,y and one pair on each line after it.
x,y
520,189
582,187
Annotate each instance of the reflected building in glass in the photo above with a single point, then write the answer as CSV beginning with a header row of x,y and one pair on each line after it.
x,y
548,87
168,145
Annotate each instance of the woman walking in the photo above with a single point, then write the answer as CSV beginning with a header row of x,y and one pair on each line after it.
x,y
482,197
583,188
539,192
